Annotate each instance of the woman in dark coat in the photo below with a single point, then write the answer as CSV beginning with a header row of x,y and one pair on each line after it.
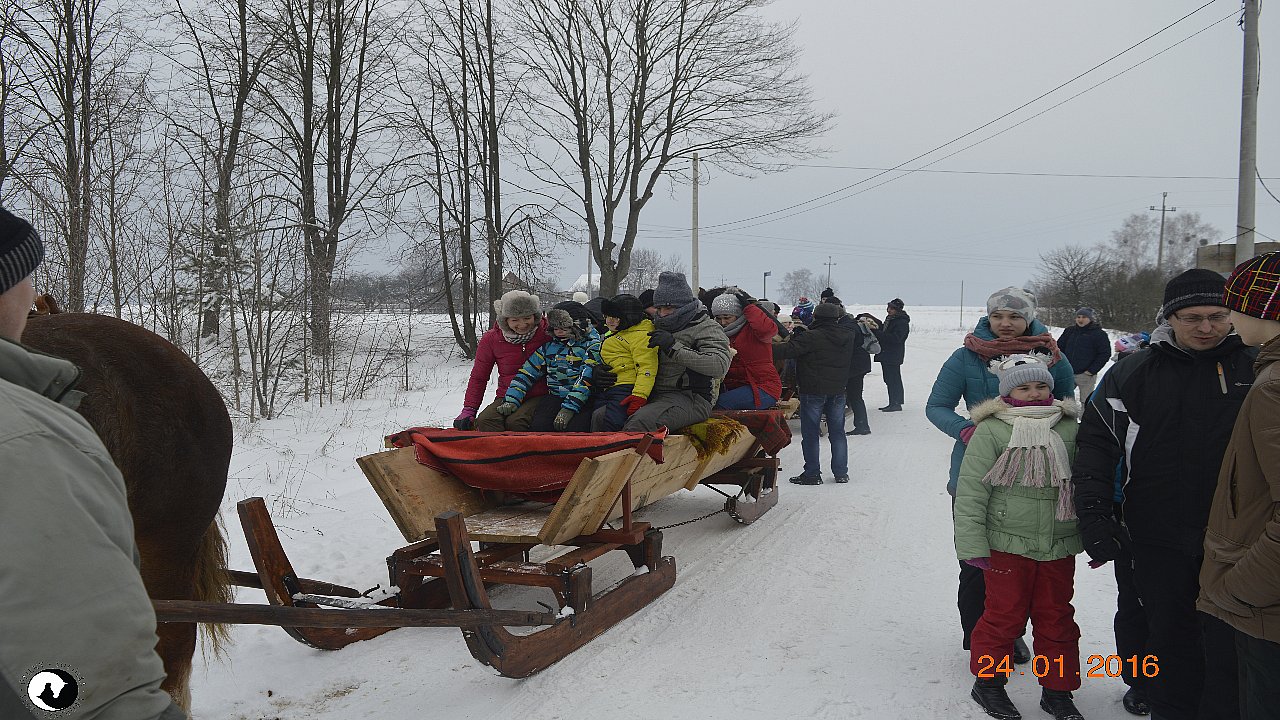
x,y
893,350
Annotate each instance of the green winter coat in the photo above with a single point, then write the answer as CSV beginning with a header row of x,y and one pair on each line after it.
x,y
1018,519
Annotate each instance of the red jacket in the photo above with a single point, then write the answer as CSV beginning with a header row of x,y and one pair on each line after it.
x,y
753,365
494,349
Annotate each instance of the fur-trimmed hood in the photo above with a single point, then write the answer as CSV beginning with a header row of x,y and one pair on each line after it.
x,y
988,408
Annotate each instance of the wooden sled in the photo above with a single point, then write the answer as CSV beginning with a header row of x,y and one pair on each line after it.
x,y
440,580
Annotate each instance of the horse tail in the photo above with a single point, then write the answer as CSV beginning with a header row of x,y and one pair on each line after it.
x,y
212,583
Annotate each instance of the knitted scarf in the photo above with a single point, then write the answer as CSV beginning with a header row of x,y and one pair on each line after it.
x,y
988,349
510,336
681,318
736,326
1036,455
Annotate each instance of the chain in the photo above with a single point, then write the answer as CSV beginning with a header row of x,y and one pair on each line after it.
x,y
686,522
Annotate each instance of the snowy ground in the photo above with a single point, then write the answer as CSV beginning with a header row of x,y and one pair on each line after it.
x,y
838,603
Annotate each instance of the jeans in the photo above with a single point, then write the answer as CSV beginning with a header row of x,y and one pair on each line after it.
x,y
743,398
812,409
892,373
1259,677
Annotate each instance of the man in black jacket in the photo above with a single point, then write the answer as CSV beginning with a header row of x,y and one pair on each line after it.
x,y
1086,345
893,351
1168,411
822,355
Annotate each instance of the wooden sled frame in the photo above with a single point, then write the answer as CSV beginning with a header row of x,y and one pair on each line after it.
x,y
442,582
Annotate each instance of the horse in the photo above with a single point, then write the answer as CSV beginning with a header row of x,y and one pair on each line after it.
x,y
168,430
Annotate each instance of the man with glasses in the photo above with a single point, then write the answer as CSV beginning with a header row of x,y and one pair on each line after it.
x,y
1167,411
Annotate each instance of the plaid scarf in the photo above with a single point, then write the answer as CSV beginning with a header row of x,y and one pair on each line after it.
x,y
510,335
989,349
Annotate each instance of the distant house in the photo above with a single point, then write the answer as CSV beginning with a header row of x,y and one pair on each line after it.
x,y
587,284
511,281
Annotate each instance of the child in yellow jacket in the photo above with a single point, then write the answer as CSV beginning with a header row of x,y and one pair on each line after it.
x,y
626,350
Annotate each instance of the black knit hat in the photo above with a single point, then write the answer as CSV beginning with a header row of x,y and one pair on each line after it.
x,y
627,308
1191,288
646,298
20,250
826,293
897,304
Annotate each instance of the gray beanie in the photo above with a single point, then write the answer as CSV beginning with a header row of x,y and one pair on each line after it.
x,y
726,304
1087,312
672,290
1015,300
1015,370
20,250
518,303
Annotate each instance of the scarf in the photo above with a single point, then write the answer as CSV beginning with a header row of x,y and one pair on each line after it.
x,y
988,349
1036,456
736,326
510,336
681,318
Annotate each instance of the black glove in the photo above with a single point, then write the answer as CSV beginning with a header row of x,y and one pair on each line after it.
x,y
744,298
603,377
662,339
1104,539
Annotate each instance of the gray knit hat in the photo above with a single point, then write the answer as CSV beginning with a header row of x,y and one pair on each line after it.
x,y
1015,370
518,303
726,304
828,311
1088,312
20,250
1014,300
672,290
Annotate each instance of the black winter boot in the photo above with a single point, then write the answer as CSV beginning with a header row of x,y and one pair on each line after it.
x,y
1021,653
1135,702
991,695
1058,704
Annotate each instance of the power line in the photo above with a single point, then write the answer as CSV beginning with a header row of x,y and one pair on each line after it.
x,y
1015,173
967,134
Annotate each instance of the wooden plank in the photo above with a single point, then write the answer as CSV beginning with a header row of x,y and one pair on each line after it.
x,y
374,617
510,524
414,493
597,481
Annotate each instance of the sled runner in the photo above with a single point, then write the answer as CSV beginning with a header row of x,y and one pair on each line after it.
x,y
440,580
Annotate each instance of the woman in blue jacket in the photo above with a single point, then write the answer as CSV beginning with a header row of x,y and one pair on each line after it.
x,y
1009,327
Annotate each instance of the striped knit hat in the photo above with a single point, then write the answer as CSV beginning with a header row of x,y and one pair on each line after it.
x,y
1190,289
20,250
1254,288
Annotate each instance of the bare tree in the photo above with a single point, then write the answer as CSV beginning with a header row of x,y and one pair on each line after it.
x,y
802,282
1069,278
646,265
623,94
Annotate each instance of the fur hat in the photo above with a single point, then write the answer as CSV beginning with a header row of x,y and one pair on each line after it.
x,y
1015,370
828,311
897,304
1088,312
518,303
20,250
1014,300
581,297
726,304
627,308
1254,287
1193,287
673,290
571,316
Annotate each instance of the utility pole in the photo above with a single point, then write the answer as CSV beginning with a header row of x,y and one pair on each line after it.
x,y
828,263
764,285
1160,247
1248,136
693,281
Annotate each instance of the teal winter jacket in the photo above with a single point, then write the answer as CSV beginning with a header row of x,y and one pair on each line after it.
x,y
567,365
1018,519
965,376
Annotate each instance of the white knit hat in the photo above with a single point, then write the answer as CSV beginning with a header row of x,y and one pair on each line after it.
x,y
1015,370
726,304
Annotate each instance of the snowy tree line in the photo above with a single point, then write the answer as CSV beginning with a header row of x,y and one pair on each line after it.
x,y
210,169
1123,278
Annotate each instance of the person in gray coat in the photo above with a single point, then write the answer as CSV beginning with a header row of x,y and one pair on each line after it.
x,y
693,353
77,630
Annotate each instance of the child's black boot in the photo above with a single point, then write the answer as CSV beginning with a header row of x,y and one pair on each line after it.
x,y
1058,704
991,695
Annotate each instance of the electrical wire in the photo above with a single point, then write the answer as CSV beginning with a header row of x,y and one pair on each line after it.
x,y
975,130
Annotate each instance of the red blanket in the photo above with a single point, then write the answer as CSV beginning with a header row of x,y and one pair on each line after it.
x,y
537,466
769,427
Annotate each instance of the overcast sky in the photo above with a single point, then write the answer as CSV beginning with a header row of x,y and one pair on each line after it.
x,y
903,78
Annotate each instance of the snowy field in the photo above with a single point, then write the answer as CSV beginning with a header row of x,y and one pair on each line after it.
x,y
838,603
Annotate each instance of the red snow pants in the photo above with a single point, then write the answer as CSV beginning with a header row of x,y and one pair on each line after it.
x,y
1019,588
